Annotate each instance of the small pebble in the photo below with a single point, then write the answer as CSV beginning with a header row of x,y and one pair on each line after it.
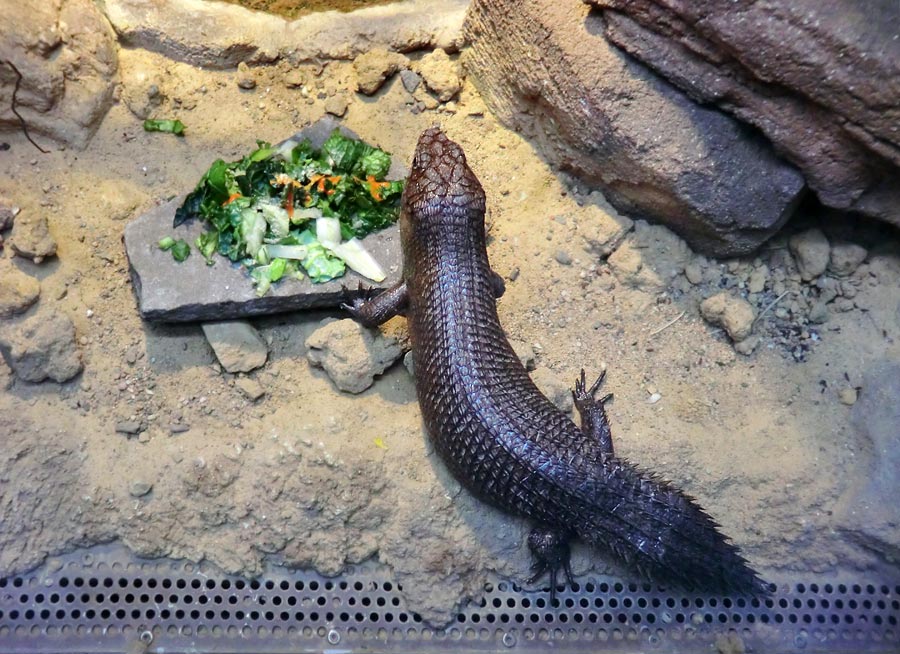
x,y
139,488
848,396
128,427
563,257
654,398
694,273
178,428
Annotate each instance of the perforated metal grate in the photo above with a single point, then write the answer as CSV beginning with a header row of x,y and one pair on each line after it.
x,y
103,600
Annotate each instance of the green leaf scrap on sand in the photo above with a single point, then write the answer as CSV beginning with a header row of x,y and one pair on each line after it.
x,y
272,203
175,127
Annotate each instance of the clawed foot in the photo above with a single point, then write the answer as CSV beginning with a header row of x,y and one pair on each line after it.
x,y
584,396
551,552
353,301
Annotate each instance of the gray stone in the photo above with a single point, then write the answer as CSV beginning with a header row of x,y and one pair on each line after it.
x,y
251,388
546,69
350,354
563,258
139,488
409,364
811,251
694,273
440,73
169,291
178,428
337,104
236,344
6,376
733,314
129,427
816,78
410,80
846,258
866,510
245,77
374,68
18,291
757,281
748,345
818,313
31,237
41,347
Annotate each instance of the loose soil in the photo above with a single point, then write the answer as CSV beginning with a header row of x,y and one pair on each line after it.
x,y
310,476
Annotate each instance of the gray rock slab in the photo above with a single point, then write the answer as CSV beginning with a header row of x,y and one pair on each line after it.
x,y
168,291
237,345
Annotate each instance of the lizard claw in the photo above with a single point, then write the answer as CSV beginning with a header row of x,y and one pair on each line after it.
x,y
551,552
584,396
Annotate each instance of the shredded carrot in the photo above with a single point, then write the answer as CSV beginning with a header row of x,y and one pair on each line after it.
x,y
289,202
232,198
375,187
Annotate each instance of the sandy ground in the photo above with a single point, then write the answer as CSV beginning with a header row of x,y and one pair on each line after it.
x,y
762,440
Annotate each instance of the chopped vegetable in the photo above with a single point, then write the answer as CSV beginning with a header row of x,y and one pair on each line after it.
x,y
181,250
175,127
259,210
166,243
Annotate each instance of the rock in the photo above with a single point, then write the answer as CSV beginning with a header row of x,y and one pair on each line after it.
x,y
546,70
555,390
294,79
6,376
563,258
733,314
440,73
649,258
31,237
410,80
8,213
748,345
251,388
337,104
601,227
848,396
129,427
694,273
409,364
139,488
865,511
811,251
41,347
236,344
66,53
178,428
192,291
350,354
246,80
220,36
818,313
141,84
818,79
374,67
18,291
846,258
757,281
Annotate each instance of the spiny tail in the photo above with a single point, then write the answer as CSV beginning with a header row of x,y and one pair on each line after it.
x,y
656,529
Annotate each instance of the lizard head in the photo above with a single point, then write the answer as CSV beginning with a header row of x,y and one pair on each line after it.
x,y
441,188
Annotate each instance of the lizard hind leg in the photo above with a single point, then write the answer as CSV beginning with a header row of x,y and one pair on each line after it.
x,y
550,548
594,422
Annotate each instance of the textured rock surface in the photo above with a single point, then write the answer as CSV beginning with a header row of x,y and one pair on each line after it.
x,y
867,509
236,344
18,291
42,347
179,292
811,251
820,79
441,74
351,354
31,237
219,35
66,54
546,69
733,314
374,67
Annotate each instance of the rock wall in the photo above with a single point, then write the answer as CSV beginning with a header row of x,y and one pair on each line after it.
x,y
66,53
821,79
546,69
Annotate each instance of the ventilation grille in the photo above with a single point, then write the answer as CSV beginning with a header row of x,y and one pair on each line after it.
x,y
103,600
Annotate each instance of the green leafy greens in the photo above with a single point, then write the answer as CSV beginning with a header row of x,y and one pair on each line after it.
x,y
175,127
273,197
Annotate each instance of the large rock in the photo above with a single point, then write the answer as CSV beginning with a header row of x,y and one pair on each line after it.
x,y
546,69
18,291
66,53
868,510
42,347
820,79
169,291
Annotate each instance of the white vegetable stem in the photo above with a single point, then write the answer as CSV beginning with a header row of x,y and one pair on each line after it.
x,y
352,252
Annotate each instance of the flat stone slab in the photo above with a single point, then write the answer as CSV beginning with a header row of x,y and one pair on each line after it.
x,y
168,291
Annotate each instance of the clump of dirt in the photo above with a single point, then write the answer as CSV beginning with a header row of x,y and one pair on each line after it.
x,y
306,475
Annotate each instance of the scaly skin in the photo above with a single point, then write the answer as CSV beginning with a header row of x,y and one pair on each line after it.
x,y
500,437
